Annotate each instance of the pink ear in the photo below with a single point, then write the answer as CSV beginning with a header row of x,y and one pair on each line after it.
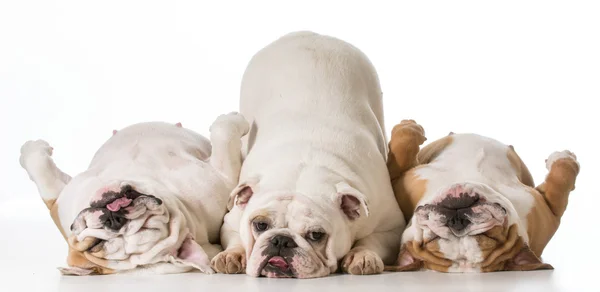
x,y
351,201
179,125
114,132
351,206
240,196
244,196
406,262
191,253
526,260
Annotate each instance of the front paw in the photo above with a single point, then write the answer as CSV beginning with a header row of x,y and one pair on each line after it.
x,y
233,123
411,130
559,156
361,261
35,154
230,262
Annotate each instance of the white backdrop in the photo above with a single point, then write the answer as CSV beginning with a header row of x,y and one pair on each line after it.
x,y
524,72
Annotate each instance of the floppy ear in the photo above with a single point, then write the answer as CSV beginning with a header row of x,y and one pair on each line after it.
x,y
191,254
526,260
242,194
351,200
79,265
406,262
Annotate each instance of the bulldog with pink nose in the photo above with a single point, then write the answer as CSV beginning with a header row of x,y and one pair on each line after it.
x,y
472,204
151,201
314,193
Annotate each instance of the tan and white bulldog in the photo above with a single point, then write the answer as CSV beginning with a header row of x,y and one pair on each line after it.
x,y
152,200
314,186
473,202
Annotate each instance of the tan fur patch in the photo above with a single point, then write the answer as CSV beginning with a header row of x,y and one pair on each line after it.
x,y
78,259
522,171
97,261
433,149
49,203
502,248
85,244
428,254
551,199
404,160
559,182
404,145
408,191
415,255
54,215
541,224
507,244
75,258
489,240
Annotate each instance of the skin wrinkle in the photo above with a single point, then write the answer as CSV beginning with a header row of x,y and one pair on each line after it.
x,y
426,255
75,258
113,221
294,257
95,250
500,254
501,247
309,252
95,188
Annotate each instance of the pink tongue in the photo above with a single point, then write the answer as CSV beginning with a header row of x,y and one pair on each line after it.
x,y
118,204
279,262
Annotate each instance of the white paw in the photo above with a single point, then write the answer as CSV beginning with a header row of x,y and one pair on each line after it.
x,y
34,153
566,154
361,261
233,122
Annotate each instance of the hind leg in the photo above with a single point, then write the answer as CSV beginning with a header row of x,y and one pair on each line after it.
x,y
36,159
407,137
563,169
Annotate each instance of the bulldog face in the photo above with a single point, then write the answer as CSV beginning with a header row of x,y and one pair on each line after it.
x,y
466,228
125,228
290,235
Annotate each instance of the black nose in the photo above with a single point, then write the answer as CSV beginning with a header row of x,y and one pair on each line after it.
x,y
463,200
459,221
281,241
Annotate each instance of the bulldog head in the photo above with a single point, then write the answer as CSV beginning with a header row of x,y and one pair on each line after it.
x,y
466,227
289,234
124,228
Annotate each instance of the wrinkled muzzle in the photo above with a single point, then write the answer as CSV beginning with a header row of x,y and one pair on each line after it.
x,y
281,254
123,229
458,212
464,231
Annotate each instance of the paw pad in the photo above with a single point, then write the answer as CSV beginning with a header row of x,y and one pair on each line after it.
x,y
558,155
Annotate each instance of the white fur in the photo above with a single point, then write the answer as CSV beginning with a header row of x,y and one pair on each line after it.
x,y
167,161
316,114
559,155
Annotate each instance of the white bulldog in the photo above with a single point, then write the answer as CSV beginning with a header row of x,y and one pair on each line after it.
x,y
152,199
314,186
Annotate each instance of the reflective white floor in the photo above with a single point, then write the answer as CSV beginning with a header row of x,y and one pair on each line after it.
x,y
31,249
